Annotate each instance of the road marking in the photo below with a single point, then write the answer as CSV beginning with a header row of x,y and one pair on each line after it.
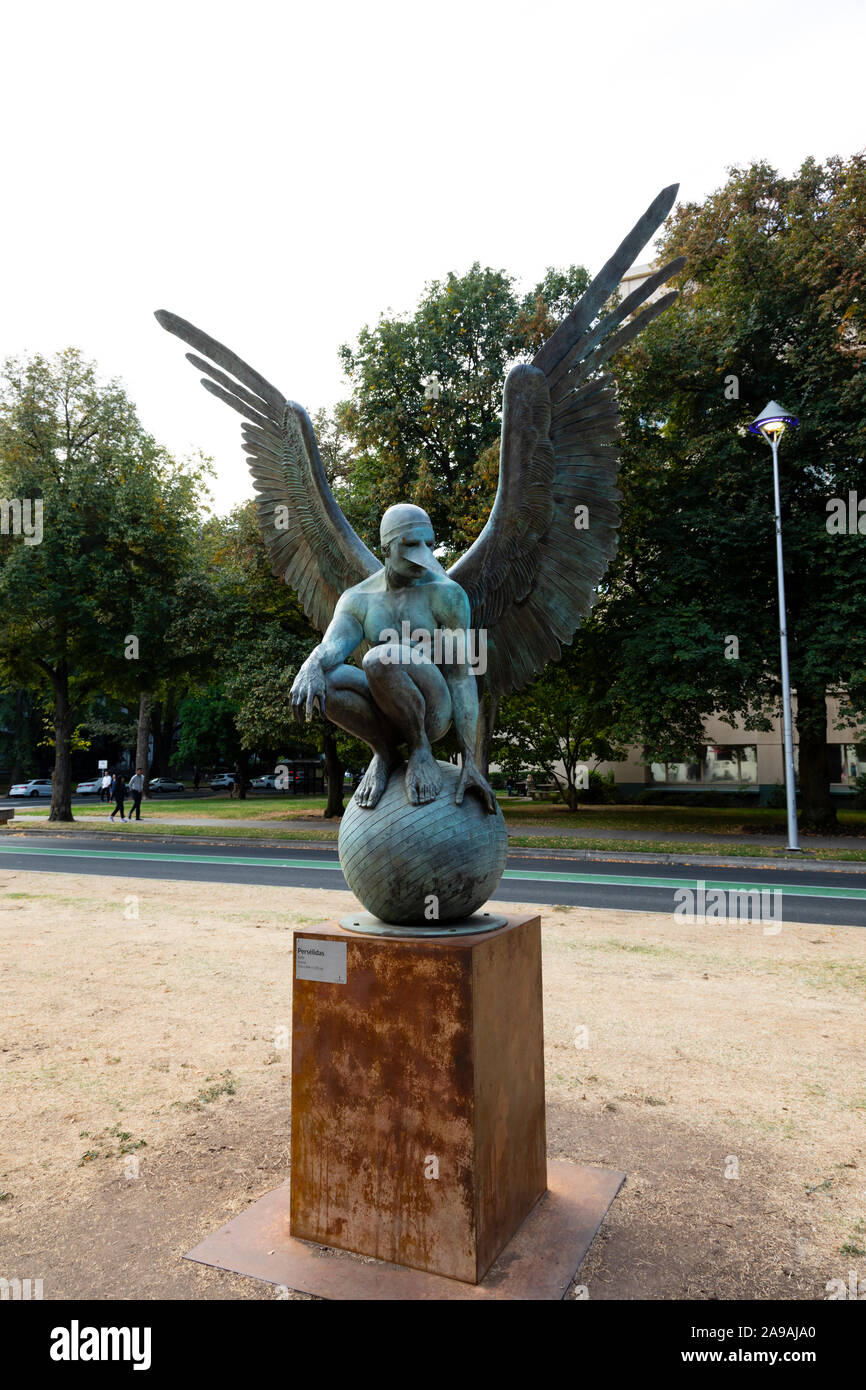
x,y
172,858
526,876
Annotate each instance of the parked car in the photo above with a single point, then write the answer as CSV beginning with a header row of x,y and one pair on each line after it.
x,y
269,780
37,786
166,784
223,782
89,787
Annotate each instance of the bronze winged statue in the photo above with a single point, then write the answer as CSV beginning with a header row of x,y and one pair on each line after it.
x,y
525,583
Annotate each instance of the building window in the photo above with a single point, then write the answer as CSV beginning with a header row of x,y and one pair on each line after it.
x,y
732,763
847,762
719,763
675,772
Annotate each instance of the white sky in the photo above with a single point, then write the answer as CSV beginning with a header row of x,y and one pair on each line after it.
x,y
282,173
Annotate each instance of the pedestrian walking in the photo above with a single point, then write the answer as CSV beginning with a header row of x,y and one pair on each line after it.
x,y
119,791
105,786
136,787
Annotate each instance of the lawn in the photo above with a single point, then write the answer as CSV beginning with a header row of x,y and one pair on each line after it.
x,y
655,822
262,806
146,1095
541,824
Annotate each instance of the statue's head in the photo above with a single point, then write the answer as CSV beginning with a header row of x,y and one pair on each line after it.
x,y
407,540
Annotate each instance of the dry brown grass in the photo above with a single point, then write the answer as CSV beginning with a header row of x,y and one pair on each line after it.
x,y
153,1039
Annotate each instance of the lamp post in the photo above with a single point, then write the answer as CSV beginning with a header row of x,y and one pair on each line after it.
x,y
771,424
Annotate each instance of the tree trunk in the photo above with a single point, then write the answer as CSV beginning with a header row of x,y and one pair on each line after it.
x,y
241,776
61,787
145,705
162,722
156,731
818,812
488,708
334,777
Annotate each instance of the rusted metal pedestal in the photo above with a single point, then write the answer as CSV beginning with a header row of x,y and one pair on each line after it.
x,y
418,1129
418,1094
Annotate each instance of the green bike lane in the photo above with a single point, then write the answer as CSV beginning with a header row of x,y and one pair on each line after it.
x,y
808,895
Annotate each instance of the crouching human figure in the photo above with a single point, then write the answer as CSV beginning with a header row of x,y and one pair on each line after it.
x,y
411,687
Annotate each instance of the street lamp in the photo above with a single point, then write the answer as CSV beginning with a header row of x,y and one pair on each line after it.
x,y
772,423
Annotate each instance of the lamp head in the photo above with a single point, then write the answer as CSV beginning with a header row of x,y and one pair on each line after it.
x,y
773,420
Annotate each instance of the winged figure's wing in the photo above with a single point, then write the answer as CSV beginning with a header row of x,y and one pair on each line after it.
x,y
532,574
310,543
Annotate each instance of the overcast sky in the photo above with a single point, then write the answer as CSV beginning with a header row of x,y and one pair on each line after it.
x,y
280,174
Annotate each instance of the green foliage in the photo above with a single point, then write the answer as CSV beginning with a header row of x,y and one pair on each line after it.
x,y
601,790
467,332
78,740
255,636
771,307
116,514
208,732
563,721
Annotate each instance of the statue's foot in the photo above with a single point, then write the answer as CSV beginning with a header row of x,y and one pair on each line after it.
x,y
374,781
423,779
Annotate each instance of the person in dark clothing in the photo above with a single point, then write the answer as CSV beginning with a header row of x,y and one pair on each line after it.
x,y
119,793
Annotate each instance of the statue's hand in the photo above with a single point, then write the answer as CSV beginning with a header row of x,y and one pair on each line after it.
x,y
309,689
471,777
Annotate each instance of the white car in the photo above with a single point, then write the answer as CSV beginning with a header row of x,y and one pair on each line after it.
x,y
166,784
38,786
88,788
223,783
268,781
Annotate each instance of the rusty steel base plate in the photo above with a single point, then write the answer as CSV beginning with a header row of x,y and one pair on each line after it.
x,y
538,1263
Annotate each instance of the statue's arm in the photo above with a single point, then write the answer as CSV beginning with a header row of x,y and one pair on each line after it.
x,y
345,631
464,699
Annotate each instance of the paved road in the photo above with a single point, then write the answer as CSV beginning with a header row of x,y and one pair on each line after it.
x,y
152,812
831,897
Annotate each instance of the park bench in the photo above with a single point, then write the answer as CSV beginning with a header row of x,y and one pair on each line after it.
x,y
6,814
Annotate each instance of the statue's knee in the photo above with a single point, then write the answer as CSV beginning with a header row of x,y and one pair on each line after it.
x,y
372,664
378,659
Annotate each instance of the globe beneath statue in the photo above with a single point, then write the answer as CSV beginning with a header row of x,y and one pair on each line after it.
x,y
422,865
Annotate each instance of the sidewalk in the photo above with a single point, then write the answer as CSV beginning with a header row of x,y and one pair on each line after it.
x,y
570,832
596,854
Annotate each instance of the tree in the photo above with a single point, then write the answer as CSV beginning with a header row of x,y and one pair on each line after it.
x,y
208,730
410,444
772,306
112,506
21,716
424,418
563,722
264,716
270,638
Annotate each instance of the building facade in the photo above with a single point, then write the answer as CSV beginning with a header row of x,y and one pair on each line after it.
x,y
736,759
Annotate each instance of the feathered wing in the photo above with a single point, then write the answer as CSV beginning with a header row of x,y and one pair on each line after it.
x,y
309,541
533,573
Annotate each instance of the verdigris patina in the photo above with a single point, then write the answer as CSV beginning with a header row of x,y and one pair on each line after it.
x,y
426,637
